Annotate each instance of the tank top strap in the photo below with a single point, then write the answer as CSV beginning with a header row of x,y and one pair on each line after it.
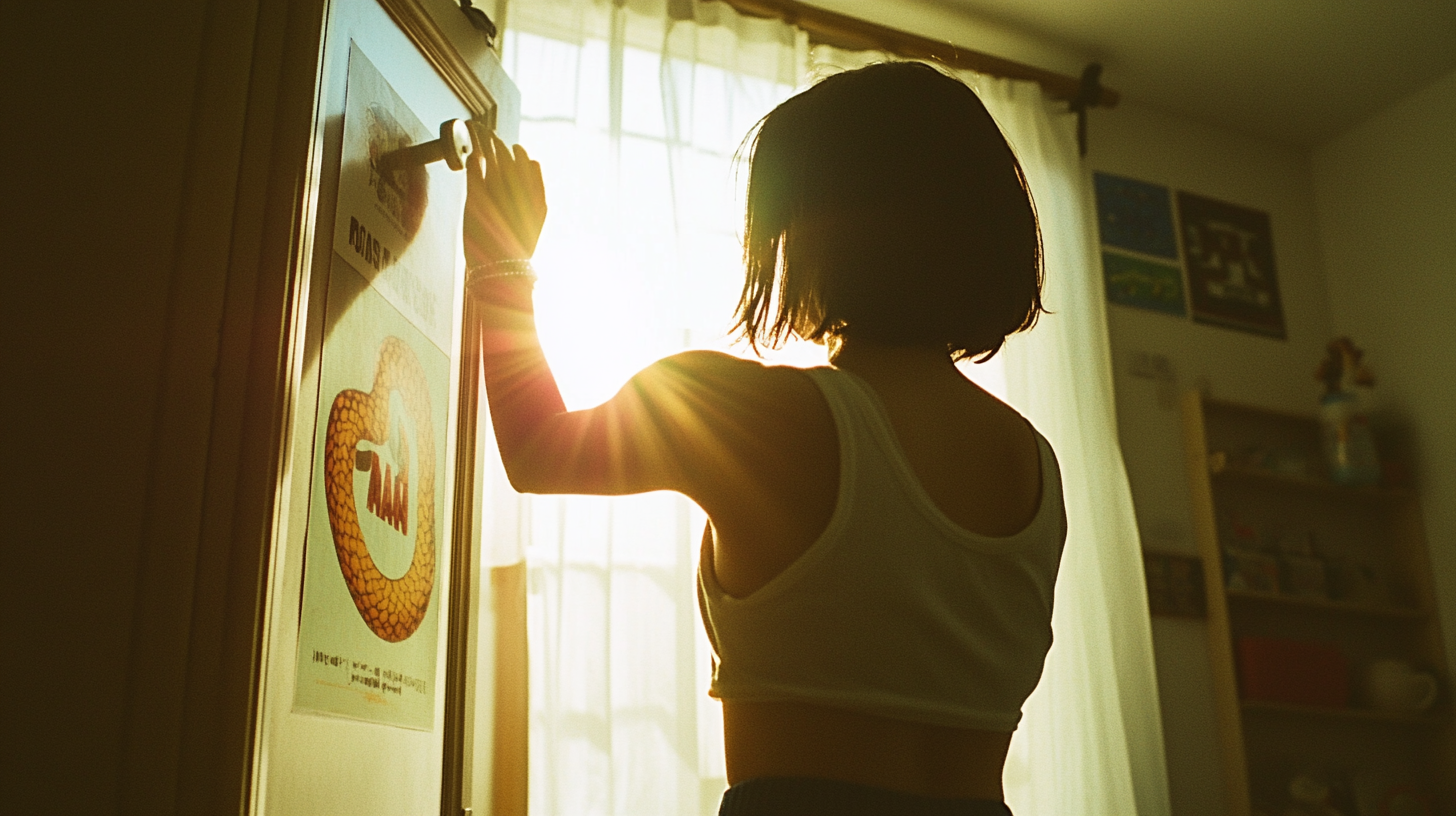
x,y
844,391
869,456
864,427
858,415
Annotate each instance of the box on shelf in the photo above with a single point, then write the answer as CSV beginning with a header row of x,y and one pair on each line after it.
x,y
1251,572
1297,672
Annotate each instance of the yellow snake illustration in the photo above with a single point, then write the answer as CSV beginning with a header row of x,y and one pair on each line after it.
x,y
392,608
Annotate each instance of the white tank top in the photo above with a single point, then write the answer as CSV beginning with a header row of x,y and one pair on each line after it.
x,y
895,610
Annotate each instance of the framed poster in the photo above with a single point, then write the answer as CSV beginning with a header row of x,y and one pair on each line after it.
x,y
1135,216
1229,253
1139,246
368,704
369,623
1132,281
370,613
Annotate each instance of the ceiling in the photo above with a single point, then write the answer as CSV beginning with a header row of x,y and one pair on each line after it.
x,y
1293,71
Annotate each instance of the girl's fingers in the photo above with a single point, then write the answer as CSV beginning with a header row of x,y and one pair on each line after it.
x,y
476,160
530,175
495,155
512,172
492,156
509,160
538,185
491,175
506,203
494,160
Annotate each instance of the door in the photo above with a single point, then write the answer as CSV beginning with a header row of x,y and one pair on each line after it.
x,y
368,699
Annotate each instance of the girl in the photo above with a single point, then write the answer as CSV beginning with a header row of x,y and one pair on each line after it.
x,y
876,575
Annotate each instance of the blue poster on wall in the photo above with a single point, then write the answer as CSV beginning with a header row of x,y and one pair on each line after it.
x,y
1133,281
1135,216
1139,246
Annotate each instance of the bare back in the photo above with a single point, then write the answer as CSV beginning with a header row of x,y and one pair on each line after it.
x,y
978,461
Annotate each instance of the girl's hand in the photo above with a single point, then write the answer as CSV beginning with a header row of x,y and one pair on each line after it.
x,y
505,203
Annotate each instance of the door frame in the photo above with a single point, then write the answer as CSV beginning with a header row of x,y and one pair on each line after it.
x,y
194,704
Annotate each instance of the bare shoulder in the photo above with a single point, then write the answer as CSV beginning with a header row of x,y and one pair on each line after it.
x,y
746,383
720,364
760,456
704,363
732,418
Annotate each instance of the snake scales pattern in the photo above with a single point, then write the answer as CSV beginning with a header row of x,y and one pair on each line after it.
x,y
393,608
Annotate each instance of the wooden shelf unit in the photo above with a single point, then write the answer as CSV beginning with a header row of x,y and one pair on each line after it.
x,y
1263,743
1308,484
1422,720
1241,596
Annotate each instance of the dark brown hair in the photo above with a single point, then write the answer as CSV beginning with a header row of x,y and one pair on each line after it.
x,y
884,203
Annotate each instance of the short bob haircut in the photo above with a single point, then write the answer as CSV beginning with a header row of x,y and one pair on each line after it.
x,y
923,231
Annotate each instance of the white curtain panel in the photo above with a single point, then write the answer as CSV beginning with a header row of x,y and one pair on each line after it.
x,y
1091,741
636,110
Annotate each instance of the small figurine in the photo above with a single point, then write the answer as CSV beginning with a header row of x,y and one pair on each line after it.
x,y
1341,369
1348,445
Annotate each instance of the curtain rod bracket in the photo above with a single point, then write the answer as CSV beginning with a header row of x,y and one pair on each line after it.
x,y
1089,95
480,21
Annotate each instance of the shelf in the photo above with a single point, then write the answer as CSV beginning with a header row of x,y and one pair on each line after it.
x,y
1369,715
1403,613
1244,409
1269,478
1230,452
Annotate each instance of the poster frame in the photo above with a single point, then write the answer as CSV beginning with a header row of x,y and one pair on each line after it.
x,y
470,68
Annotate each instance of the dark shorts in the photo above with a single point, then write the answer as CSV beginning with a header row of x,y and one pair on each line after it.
x,y
826,797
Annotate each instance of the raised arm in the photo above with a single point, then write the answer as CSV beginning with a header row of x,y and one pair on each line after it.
x,y
694,422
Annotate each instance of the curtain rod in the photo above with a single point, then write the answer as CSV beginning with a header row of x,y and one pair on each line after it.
x,y
850,33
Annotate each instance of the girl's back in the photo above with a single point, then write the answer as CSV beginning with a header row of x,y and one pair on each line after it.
x,y
979,463
974,456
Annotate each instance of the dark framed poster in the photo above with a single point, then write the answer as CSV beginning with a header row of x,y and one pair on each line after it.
x,y
1228,252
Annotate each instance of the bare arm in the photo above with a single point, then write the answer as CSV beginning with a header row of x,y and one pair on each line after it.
x,y
692,422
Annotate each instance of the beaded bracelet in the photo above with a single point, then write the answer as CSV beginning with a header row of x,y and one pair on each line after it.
x,y
515,267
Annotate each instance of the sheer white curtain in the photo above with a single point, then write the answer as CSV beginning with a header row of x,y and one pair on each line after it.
x,y
1093,729
1091,740
635,110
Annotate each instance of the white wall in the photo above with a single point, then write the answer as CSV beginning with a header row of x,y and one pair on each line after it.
x,y
1386,196
1144,144
1365,241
